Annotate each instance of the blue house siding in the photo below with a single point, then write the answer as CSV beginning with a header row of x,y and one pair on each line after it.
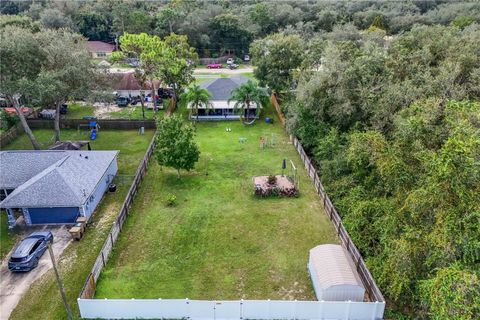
x,y
61,215
102,186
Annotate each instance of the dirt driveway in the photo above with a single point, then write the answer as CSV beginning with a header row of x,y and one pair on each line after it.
x,y
14,285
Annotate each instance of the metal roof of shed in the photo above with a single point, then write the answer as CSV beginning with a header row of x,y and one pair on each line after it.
x,y
333,267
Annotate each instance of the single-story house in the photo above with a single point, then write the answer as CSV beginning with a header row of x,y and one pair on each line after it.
x,y
100,49
129,87
221,90
54,186
334,275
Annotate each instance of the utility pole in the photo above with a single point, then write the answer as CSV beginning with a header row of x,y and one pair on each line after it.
x,y
59,282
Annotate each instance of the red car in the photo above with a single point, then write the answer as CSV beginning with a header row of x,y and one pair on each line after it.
x,y
214,66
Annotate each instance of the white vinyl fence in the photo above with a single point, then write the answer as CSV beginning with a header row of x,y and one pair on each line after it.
x,y
228,310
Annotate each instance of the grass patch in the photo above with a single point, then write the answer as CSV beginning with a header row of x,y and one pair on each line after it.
x,y
43,300
7,237
219,241
78,111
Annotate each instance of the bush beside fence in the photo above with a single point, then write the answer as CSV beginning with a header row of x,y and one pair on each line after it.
x,y
88,290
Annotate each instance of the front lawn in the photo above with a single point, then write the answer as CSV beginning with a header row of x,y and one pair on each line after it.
x,y
43,300
219,241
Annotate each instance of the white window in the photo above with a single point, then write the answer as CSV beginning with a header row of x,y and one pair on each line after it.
x,y
101,54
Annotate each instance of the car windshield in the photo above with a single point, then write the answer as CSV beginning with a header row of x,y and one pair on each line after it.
x,y
13,259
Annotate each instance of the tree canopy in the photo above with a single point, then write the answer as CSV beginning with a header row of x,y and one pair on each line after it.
x,y
175,145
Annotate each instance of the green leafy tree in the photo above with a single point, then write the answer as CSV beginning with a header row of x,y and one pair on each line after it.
x,y
167,18
259,14
196,97
93,25
245,96
277,57
228,36
177,63
67,71
149,50
462,22
175,144
20,65
454,293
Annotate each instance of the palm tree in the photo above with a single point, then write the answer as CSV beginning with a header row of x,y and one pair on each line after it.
x,y
197,98
244,96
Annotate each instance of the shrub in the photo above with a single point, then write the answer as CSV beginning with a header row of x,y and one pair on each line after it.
x,y
172,200
8,120
272,179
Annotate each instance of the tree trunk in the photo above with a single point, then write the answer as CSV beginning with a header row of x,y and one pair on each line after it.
x,y
170,25
154,96
24,123
57,121
248,109
178,173
142,103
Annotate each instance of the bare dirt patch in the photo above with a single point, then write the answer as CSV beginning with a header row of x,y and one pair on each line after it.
x,y
103,110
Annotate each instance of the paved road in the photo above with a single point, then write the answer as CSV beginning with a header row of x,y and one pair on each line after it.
x,y
223,71
14,285
197,71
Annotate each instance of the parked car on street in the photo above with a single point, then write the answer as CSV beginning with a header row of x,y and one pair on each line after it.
x,y
25,110
27,253
246,58
230,61
214,66
63,108
122,101
47,114
233,66
165,93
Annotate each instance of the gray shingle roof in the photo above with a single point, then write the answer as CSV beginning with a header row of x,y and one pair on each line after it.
x,y
18,167
67,179
221,88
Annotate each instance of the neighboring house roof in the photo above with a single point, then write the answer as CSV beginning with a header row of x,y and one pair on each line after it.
x,y
100,46
130,83
333,267
221,88
69,145
67,179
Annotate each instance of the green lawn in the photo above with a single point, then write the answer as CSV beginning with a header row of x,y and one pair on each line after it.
x,y
78,111
219,241
43,300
